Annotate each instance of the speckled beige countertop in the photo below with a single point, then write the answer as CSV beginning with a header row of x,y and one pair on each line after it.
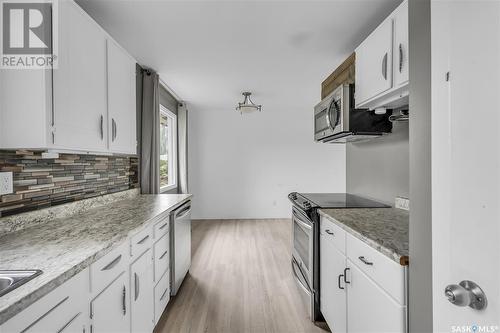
x,y
384,229
62,247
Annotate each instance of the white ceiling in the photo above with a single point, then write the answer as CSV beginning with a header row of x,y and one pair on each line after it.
x,y
208,52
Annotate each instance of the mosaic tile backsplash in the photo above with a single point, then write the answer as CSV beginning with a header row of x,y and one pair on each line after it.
x,y
41,183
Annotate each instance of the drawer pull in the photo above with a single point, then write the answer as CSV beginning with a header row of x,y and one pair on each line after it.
x,y
163,226
163,295
164,254
45,314
69,322
328,231
112,264
143,240
364,261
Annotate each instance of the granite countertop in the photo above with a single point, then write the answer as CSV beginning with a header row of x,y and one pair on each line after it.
x,y
63,247
384,229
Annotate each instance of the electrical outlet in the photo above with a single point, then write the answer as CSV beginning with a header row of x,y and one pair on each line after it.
x,y
402,203
6,186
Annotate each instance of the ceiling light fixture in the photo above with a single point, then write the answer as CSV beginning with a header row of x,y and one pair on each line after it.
x,y
248,106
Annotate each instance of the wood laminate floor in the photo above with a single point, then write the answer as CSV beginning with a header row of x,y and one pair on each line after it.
x,y
240,281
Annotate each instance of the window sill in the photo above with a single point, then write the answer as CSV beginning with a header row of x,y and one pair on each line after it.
x,y
167,188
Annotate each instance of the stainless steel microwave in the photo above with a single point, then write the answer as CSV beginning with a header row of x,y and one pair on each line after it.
x,y
336,120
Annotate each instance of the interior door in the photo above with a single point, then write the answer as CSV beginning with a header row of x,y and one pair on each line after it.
x,y
465,162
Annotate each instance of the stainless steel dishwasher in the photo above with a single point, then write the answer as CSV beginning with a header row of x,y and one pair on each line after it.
x,y
180,245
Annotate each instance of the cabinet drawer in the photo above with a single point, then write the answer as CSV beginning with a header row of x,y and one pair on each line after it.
x,y
162,256
106,269
141,242
388,274
57,311
162,227
162,295
333,233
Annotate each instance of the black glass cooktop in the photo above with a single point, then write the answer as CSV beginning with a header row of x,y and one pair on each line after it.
x,y
340,200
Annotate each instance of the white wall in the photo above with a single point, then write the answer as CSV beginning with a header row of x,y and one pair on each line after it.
x,y
245,166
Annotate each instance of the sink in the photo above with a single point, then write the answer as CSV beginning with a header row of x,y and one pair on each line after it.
x,y
10,280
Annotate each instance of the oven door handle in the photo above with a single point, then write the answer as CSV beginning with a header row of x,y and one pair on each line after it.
x,y
297,278
302,223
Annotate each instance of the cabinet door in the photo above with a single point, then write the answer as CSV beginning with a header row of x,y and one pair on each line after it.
x,y
333,297
401,60
142,298
374,63
121,100
369,308
110,309
80,104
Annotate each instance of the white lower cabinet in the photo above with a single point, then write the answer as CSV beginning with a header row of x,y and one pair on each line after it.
x,y
110,310
141,296
333,293
162,295
62,310
369,308
361,291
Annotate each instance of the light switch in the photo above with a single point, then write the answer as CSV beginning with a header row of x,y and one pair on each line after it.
x,y
6,186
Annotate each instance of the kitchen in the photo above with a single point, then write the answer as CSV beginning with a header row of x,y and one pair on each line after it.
x,y
277,216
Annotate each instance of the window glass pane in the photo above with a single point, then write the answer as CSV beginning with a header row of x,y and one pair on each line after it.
x,y
164,144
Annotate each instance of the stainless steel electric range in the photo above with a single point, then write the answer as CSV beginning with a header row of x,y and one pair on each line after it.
x,y
305,251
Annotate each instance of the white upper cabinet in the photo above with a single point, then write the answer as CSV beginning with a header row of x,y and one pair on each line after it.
x,y
374,64
382,64
401,51
121,100
80,105
86,104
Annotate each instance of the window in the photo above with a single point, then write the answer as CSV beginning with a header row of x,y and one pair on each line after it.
x,y
168,149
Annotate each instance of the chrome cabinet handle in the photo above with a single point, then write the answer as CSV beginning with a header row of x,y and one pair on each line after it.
x,y
45,314
163,295
400,58
113,129
69,323
136,286
112,264
124,300
163,226
366,262
102,127
384,66
329,232
345,275
143,240
340,278
116,129
163,255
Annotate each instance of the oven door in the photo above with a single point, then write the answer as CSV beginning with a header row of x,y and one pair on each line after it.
x,y
303,243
